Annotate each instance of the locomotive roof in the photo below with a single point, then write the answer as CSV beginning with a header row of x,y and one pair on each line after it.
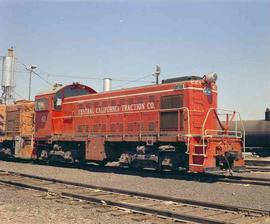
x,y
54,89
57,87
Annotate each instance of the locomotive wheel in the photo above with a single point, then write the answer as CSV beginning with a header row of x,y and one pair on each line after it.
x,y
171,165
43,155
68,156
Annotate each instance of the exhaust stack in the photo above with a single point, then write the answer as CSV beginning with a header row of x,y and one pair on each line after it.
x,y
107,84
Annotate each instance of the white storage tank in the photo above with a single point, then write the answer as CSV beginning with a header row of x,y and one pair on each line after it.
x,y
8,72
8,82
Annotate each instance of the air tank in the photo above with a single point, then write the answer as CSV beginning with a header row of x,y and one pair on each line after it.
x,y
107,84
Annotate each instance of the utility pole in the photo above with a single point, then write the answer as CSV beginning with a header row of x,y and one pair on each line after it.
x,y
30,68
30,82
157,74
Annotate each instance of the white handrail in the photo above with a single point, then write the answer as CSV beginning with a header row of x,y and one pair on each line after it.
x,y
188,135
204,131
237,134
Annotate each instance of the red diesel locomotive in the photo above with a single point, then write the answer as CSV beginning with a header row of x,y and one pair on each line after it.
x,y
169,125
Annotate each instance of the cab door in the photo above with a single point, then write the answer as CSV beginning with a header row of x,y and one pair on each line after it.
x,y
43,117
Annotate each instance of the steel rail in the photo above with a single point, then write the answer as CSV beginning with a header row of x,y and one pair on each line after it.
x,y
252,162
135,208
148,210
242,178
148,195
258,168
210,176
202,177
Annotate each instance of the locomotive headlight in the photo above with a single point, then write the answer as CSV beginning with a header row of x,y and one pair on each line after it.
x,y
211,77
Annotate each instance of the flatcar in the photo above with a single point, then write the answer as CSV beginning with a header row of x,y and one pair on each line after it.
x,y
169,125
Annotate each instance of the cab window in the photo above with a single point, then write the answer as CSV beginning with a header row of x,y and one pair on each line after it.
x,y
57,101
42,104
74,91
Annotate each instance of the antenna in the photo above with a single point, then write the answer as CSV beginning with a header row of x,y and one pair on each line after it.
x,y
30,68
157,74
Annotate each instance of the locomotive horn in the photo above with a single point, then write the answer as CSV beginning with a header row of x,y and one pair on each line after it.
x,y
210,77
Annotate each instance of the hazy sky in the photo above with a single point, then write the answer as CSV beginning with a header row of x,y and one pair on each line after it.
x,y
125,40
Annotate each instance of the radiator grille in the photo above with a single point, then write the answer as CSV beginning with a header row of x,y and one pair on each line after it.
x,y
169,102
169,121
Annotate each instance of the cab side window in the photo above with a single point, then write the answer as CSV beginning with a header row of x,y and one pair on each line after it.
x,y
57,101
42,104
74,91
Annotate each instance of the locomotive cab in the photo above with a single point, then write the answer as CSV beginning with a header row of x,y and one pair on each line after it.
x,y
43,115
49,108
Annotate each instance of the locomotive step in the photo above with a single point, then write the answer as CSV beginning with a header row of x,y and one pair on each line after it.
x,y
198,154
194,164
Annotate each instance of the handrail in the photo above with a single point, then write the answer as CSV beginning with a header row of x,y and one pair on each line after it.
x,y
236,134
125,132
188,135
188,121
244,132
204,131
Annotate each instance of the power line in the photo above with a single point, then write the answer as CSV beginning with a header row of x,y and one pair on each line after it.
x,y
86,77
17,71
42,78
93,78
79,77
135,80
35,73
19,95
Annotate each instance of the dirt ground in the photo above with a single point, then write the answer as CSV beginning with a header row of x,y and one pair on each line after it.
x,y
30,207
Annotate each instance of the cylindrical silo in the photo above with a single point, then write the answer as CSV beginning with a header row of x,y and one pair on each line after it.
x,y
8,72
8,82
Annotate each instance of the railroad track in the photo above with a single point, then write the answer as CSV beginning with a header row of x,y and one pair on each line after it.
x,y
243,180
190,211
257,165
256,162
258,168
204,178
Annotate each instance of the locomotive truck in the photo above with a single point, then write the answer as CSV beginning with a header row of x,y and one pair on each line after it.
x,y
169,125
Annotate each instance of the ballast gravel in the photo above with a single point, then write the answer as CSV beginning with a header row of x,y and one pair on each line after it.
x,y
190,188
25,206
